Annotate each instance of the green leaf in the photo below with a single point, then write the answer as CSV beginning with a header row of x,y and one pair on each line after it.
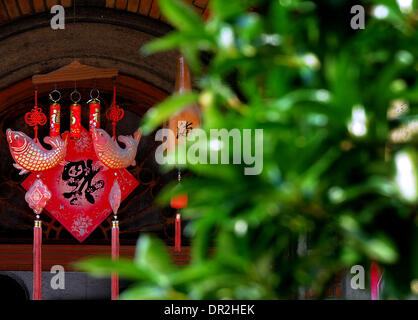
x,y
181,15
151,253
103,267
176,40
163,111
146,292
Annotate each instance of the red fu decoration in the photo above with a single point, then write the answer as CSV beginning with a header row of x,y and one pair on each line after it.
x,y
35,117
114,113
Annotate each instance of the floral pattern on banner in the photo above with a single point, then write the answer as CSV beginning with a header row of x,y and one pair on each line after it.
x,y
81,225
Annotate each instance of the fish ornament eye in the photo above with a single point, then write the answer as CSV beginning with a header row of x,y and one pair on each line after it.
x,y
16,137
101,134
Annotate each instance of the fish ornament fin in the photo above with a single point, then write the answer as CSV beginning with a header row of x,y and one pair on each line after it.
x,y
52,142
124,140
19,167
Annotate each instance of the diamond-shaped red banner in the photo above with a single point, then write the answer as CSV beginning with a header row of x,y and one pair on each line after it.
x,y
80,188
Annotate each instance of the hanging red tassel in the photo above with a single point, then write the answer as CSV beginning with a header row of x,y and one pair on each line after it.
x,y
37,270
177,240
37,196
115,256
376,275
178,202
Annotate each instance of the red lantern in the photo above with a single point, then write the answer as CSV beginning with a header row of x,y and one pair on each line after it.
x,y
54,119
179,201
94,119
75,124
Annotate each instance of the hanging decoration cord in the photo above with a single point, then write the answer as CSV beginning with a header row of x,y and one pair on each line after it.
x,y
114,113
35,117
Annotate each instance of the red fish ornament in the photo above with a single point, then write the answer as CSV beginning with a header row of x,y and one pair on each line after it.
x,y
31,156
110,154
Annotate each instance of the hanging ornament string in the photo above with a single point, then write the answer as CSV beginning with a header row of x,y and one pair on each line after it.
x,y
114,113
35,117
94,108
178,202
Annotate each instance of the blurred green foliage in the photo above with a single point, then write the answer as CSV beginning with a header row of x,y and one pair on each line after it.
x,y
321,92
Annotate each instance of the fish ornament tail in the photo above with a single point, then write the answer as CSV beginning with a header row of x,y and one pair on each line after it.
x,y
138,135
19,167
55,142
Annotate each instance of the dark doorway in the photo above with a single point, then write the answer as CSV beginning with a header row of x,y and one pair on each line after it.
x,y
11,289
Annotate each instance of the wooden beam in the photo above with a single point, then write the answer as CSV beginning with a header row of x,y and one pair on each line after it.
x,y
18,257
75,71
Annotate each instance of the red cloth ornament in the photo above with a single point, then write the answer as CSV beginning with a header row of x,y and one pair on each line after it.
x,y
75,124
54,119
82,207
37,196
94,118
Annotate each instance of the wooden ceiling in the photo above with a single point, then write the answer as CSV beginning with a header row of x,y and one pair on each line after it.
x,y
15,9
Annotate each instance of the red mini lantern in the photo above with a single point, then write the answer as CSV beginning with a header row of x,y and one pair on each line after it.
x,y
54,119
179,201
75,125
94,118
